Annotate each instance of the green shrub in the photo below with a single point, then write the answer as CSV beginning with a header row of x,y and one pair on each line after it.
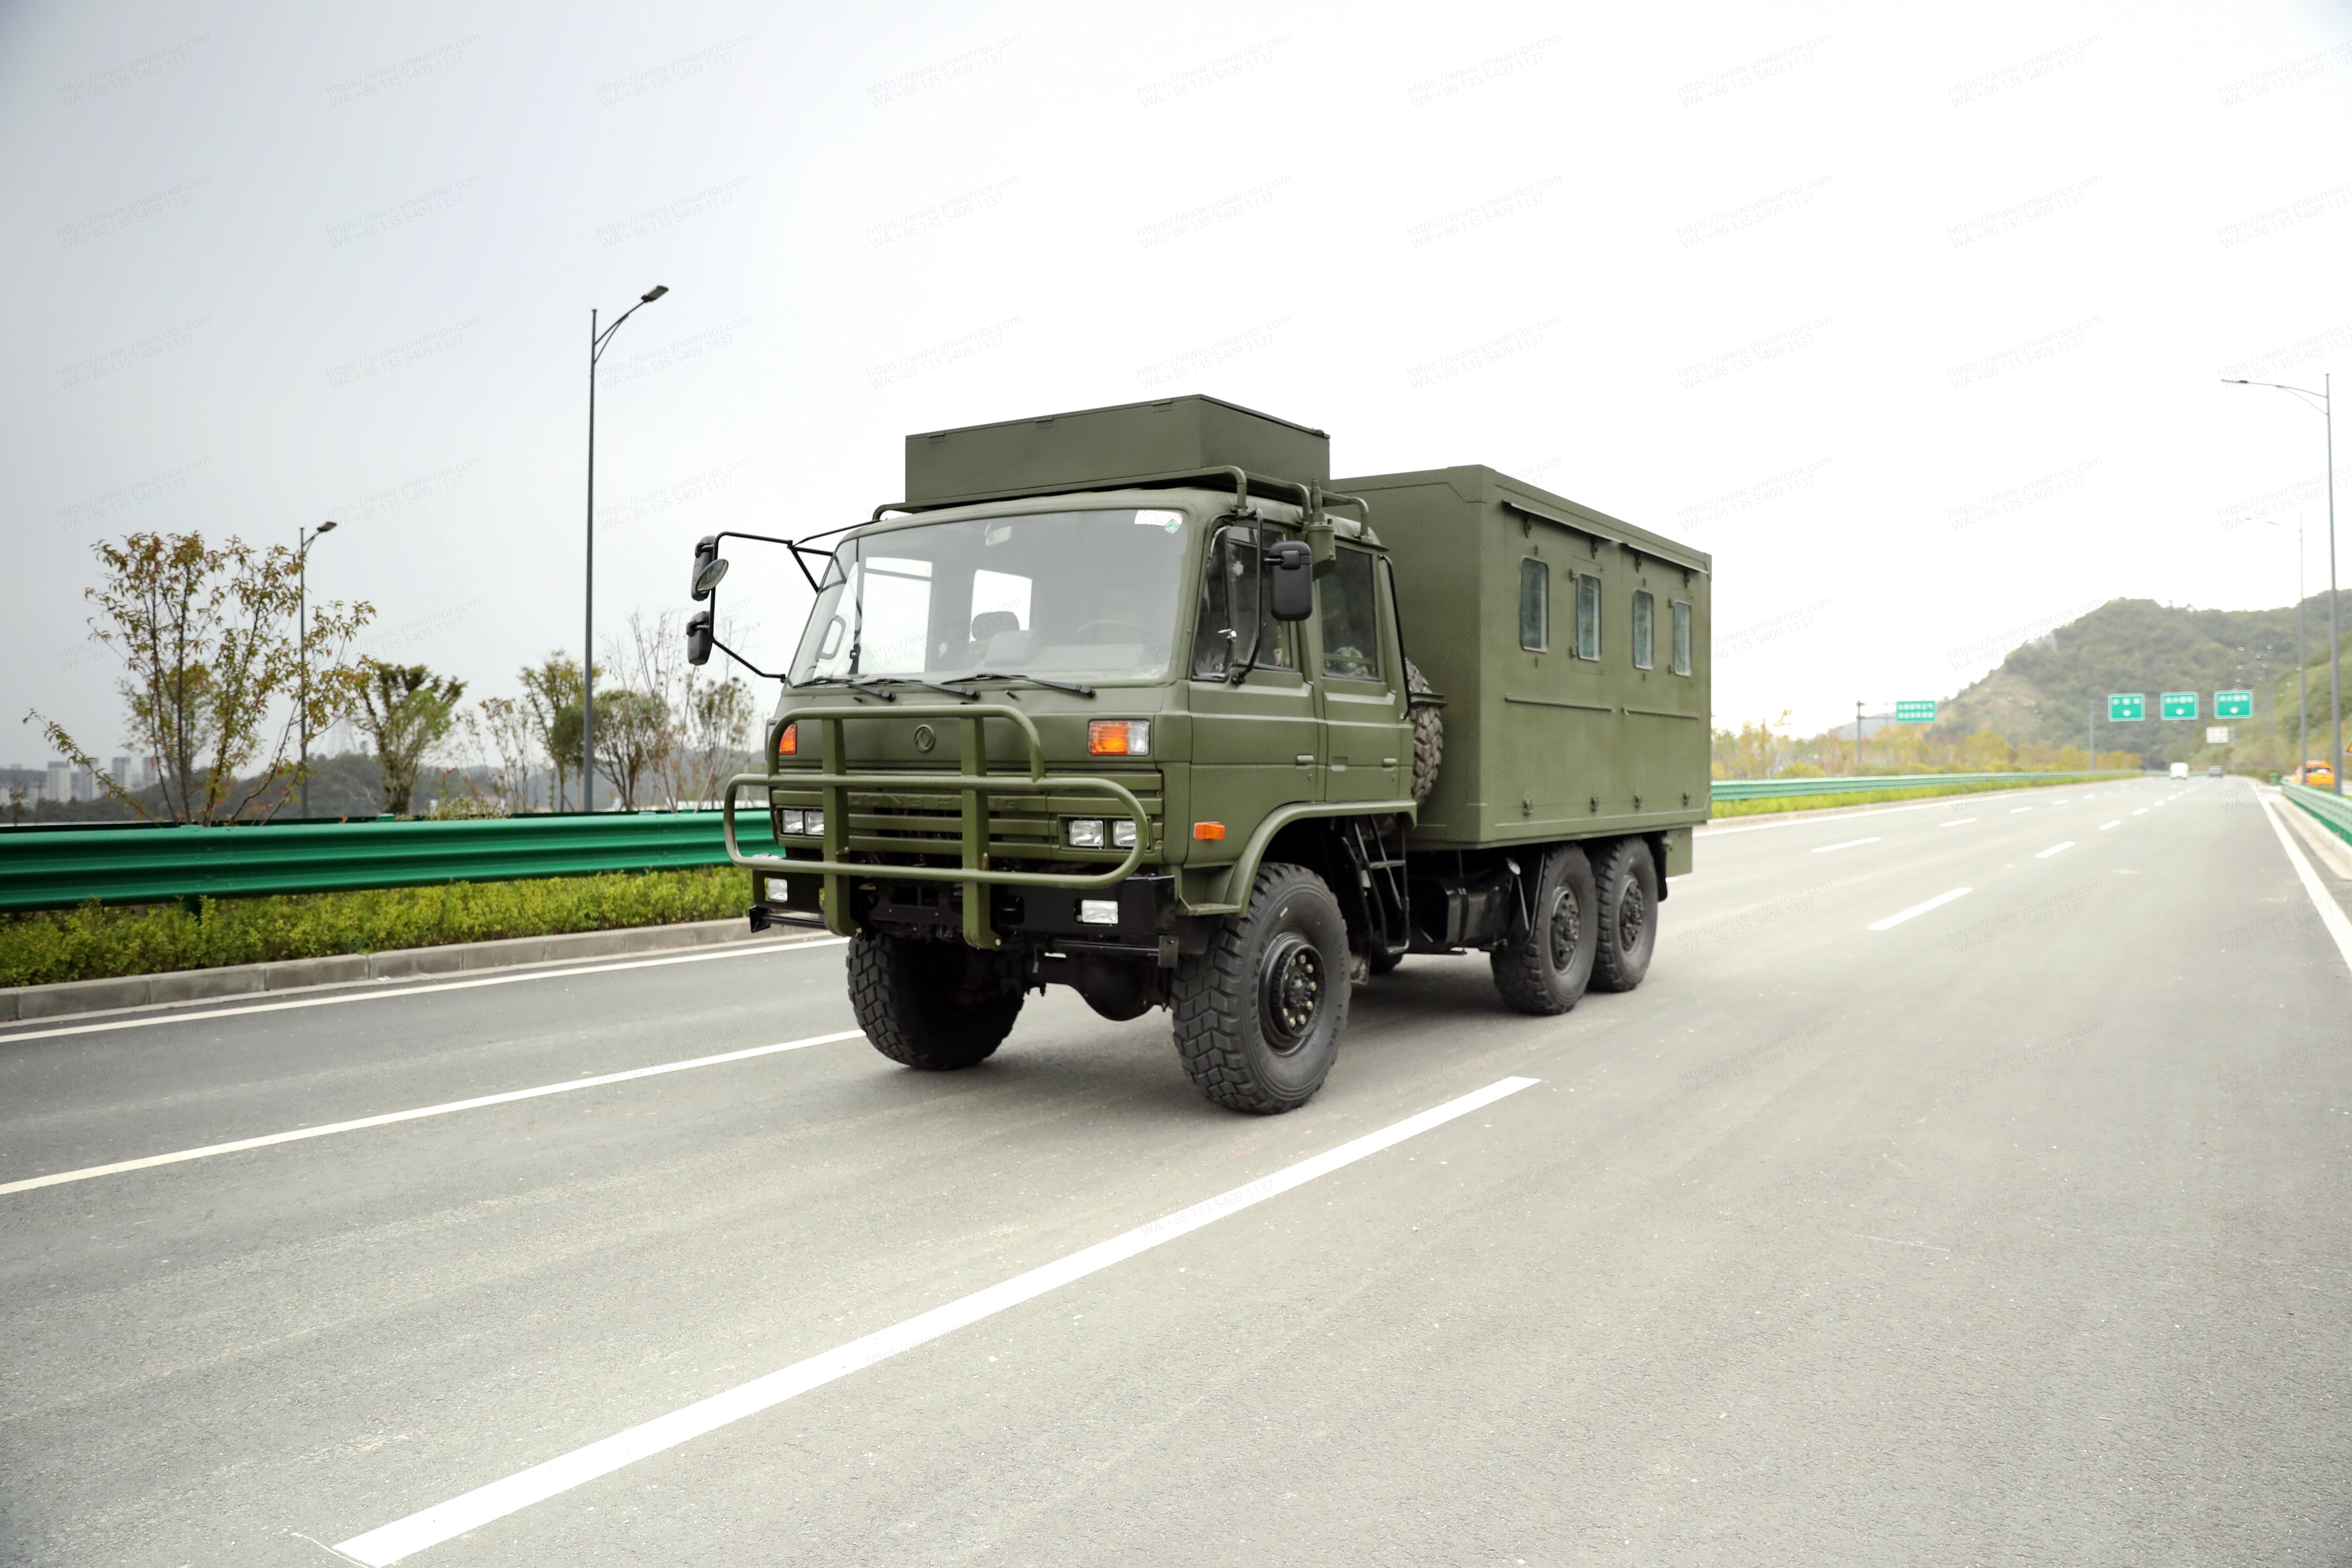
x,y
92,943
1880,796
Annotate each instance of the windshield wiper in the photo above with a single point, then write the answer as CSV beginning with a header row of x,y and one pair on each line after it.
x,y
933,685
1033,681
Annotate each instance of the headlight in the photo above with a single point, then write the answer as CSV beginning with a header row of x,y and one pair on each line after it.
x,y
812,824
792,821
1085,833
1122,834
1098,912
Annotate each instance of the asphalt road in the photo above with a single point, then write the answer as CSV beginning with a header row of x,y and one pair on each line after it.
x,y
2013,1232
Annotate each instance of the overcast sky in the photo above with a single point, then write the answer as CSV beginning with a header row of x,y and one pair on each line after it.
x,y
1914,317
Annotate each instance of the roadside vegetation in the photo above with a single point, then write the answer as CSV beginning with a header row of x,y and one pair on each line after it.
x,y
95,943
1724,808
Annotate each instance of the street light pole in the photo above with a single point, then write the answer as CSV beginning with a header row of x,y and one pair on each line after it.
x,y
2326,407
303,539
596,342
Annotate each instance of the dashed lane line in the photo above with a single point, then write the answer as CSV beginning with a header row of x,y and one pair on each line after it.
x,y
2105,826
2054,849
405,1537
510,1097
1849,844
1938,901
1956,822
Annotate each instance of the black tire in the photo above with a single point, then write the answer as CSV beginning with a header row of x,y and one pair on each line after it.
x,y
1428,738
1258,1017
1628,881
935,1005
1546,970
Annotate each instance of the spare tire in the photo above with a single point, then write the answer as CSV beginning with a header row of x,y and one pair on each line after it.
x,y
1428,734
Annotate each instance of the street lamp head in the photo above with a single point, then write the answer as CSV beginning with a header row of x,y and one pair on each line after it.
x,y
655,292
327,527
2235,381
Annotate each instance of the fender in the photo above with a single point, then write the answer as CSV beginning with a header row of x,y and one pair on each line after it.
x,y
1227,888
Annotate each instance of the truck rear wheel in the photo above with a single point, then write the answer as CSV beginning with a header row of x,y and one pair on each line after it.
x,y
935,1005
1628,880
1546,970
1258,1017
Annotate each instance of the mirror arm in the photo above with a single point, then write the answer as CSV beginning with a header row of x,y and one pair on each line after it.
x,y
762,674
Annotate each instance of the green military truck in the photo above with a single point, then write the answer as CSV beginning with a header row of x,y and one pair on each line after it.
x,y
1141,701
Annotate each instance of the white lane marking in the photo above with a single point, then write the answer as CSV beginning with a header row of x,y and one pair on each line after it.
x,y
1938,901
88,1172
1849,844
2105,826
2143,810
2331,914
395,988
2020,808
2060,801
1956,822
391,1542
2054,849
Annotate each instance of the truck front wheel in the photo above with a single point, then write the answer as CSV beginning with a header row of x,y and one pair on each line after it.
x,y
1545,972
935,1005
1258,1017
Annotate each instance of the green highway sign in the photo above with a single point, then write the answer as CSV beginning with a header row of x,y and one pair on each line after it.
x,y
2180,705
2127,708
1915,712
2233,705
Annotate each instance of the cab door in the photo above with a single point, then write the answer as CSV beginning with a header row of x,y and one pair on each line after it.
x,y
1258,742
1360,684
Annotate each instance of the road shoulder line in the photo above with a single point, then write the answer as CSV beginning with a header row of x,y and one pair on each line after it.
x,y
388,991
2331,914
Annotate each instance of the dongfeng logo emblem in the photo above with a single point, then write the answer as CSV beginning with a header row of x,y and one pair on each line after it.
x,y
924,739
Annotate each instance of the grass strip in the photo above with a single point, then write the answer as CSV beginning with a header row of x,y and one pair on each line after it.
x,y
1724,808
96,943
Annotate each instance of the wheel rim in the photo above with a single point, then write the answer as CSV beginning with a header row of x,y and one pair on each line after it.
x,y
1564,930
1633,917
1291,988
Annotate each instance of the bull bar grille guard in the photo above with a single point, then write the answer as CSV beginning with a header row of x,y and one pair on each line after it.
x,y
974,783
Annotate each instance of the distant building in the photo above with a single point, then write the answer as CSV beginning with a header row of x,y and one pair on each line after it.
x,y
85,782
122,772
58,785
147,773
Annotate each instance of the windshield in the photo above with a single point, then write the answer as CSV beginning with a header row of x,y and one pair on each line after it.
x,y
1056,593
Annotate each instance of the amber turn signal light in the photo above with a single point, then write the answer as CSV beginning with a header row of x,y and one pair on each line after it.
x,y
788,744
1209,830
1119,738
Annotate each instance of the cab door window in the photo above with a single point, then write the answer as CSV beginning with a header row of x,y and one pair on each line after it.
x,y
1230,622
1351,627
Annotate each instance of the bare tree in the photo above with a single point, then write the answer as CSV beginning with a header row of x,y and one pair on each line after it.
x,y
210,652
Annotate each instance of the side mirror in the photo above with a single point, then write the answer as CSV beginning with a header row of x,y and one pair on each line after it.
x,y
710,567
698,635
1291,595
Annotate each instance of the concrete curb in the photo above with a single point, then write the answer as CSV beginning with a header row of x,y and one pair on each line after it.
x,y
1816,813
22,1003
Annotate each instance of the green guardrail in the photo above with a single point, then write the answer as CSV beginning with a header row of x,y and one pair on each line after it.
x,y
2335,812
50,868
1783,789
